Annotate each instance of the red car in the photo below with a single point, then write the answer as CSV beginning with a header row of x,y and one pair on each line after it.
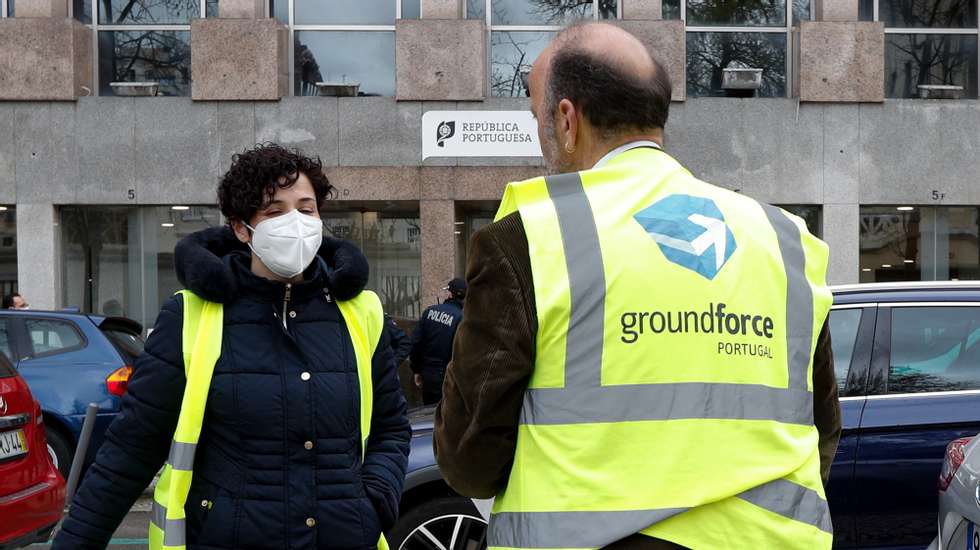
x,y
32,491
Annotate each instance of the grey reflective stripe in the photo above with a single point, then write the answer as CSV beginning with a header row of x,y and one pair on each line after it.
x,y
173,529
586,280
799,296
570,529
645,402
792,501
182,455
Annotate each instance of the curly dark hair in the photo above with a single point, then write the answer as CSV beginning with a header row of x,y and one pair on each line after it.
x,y
255,174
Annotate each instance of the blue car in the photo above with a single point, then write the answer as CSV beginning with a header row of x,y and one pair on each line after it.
x,y
70,360
907,359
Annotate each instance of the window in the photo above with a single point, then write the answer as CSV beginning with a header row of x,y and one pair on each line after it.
x,y
51,336
8,250
5,347
811,214
143,41
520,30
927,42
934,349
472,217
389,237
118,260
915,243
346,42
844,325
734,34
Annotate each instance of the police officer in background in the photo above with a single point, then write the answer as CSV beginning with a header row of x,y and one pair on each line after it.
x,y
401,346
432,341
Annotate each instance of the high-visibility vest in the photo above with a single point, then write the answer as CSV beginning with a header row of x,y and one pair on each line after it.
x,y
672,388
202,330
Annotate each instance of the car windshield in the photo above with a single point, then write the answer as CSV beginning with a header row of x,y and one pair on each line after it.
x,y
6,369
130,345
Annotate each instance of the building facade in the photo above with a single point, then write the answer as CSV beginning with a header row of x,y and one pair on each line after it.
x,y
97,182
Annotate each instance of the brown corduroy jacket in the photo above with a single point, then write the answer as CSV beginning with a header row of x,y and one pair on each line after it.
x,y
493,356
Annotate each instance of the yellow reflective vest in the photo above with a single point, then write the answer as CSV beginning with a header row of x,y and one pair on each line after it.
x,y
201,332
672,388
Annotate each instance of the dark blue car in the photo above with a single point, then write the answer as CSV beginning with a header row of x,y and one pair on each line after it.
x,y
70,360
907,358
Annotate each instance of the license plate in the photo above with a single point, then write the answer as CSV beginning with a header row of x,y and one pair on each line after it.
x,y
972,537
12,444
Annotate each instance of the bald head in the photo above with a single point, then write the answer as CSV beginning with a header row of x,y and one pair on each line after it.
x,y
610,45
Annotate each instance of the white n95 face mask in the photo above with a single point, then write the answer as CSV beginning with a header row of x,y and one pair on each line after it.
x,y
287,244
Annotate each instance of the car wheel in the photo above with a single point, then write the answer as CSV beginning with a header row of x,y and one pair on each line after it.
x,y
450,523
60,451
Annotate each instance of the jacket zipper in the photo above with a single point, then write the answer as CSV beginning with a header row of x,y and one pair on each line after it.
x,y
285,307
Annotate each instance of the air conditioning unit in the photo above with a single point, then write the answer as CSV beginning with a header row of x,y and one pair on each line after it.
x,y
940,91
135,89
741,81
338,89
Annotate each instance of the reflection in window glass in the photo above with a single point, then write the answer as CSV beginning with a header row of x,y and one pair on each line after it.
x,y
919,244
710,52
866,10
411,9
51,336
8,251
118,260
211,8
914,59
365,58
280,10
810,214
81,10
801,11
472,221
843,335
146,56
476,9
915,14
392,243
511,57
6,337
934,349
764,13
542,12
148,12
344,12
671,9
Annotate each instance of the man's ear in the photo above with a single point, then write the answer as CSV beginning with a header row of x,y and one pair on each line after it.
x,y
241,231
568,124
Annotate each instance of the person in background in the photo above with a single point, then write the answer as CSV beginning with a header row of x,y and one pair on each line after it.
x,y
15,301
432,341
401,344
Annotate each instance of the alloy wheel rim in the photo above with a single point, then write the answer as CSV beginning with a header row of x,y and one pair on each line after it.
x,y
448,532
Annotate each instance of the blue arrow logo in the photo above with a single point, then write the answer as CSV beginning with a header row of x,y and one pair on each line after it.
x,y
690,231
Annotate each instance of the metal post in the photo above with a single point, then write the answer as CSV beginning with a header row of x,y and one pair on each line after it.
x,y
81,450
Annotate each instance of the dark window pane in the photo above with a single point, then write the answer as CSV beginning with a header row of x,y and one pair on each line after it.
x,y
843,335
280,10
476,9
936,14
345,12
148,12
914,59
810,214
411,9
81,10
10,8
167,227
6,337
710,52
934,349
767,13
866,10
211,8
146,56
671,9
608,9
801,11
365,58
511,57
100,258
8,251
539,12
919,243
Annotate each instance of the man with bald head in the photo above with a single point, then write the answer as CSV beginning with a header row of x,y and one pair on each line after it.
x,y
645,360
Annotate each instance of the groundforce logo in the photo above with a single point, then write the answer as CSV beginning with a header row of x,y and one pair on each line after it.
x,y
445,131
690,231
715,319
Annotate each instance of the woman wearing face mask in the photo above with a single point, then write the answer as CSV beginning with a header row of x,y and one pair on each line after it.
x,y
292,453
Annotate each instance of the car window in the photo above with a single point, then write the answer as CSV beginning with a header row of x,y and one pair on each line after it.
x,y
129,345
934,349
52,336
6,337
844,325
